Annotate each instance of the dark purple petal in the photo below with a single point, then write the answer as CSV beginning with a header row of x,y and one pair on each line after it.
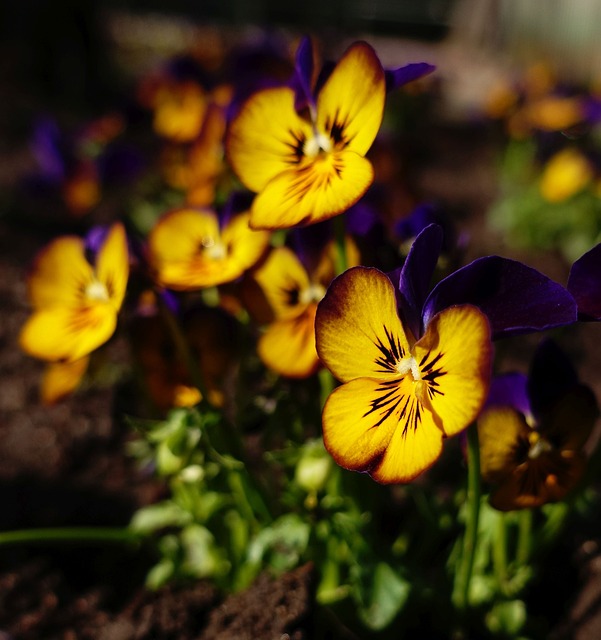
x,y
93,241
510,390
418,219
361,218
516,298
47,148
584,284
396,78
303,76
552,376
592,110
414,278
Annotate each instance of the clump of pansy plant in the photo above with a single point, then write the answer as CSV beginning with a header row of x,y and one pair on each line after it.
x,y
76,289
376,368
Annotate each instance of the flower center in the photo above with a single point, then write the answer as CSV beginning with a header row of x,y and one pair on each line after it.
x,y
406,365
313,293
317,144
96,291
538,445
214,250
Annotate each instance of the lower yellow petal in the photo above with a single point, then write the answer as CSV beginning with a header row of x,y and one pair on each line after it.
x,y
503,435
314,190
67,334
60,379
288,346
378,426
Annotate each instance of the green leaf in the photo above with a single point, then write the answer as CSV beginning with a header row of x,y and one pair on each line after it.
x,y
389,593
158,516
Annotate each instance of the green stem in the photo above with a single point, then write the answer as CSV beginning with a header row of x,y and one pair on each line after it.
x,y
500,552
340,237
470,538
326,385
522,554
70,534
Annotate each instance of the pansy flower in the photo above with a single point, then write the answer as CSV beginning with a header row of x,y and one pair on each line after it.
x,y
533,432
191,248
566,173
310,166
75,301
416,366
282,293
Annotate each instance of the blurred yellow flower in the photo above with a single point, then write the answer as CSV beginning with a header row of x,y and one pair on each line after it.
x,y
75,302
564,175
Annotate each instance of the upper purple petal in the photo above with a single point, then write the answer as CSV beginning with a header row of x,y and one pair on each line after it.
x,y
303,75
584,283
510,389
415,276
516,298
398,77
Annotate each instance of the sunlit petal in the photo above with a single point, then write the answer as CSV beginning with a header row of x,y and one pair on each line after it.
x,y
274,289
350,105
316,189
112,264
62,333
455,357
60,379
60,274
288,346
358,330
267,137
365,417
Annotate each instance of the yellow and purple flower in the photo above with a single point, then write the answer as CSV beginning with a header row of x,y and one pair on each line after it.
x,y
75,302
416,366
310,166
192,248
533,432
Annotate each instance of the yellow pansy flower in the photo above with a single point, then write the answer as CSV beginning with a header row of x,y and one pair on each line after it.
x,y
188,249
75,302
307,169
566,173
401,395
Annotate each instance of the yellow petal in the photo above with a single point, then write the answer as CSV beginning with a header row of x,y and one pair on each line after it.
x,y
273,289
454,357
63,333
503,435
350,105
266,137
288,346
60,274
60,379
358,331
377,426
112,264
566,173
315,190
188,251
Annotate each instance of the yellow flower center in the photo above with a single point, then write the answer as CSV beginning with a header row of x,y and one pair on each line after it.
x,y
313,293
408,364
317,144
96,291
213,249
538,445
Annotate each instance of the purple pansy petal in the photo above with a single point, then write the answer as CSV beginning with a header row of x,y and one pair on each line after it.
x,y
46,145
361,218
418,219
396,78
584,283
94,240
303,75
510,389
516,298
551,376
415,276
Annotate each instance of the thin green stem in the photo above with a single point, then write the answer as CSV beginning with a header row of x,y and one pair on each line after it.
x,y
470,538
326,385
340,236
70,534
500,552
524,545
